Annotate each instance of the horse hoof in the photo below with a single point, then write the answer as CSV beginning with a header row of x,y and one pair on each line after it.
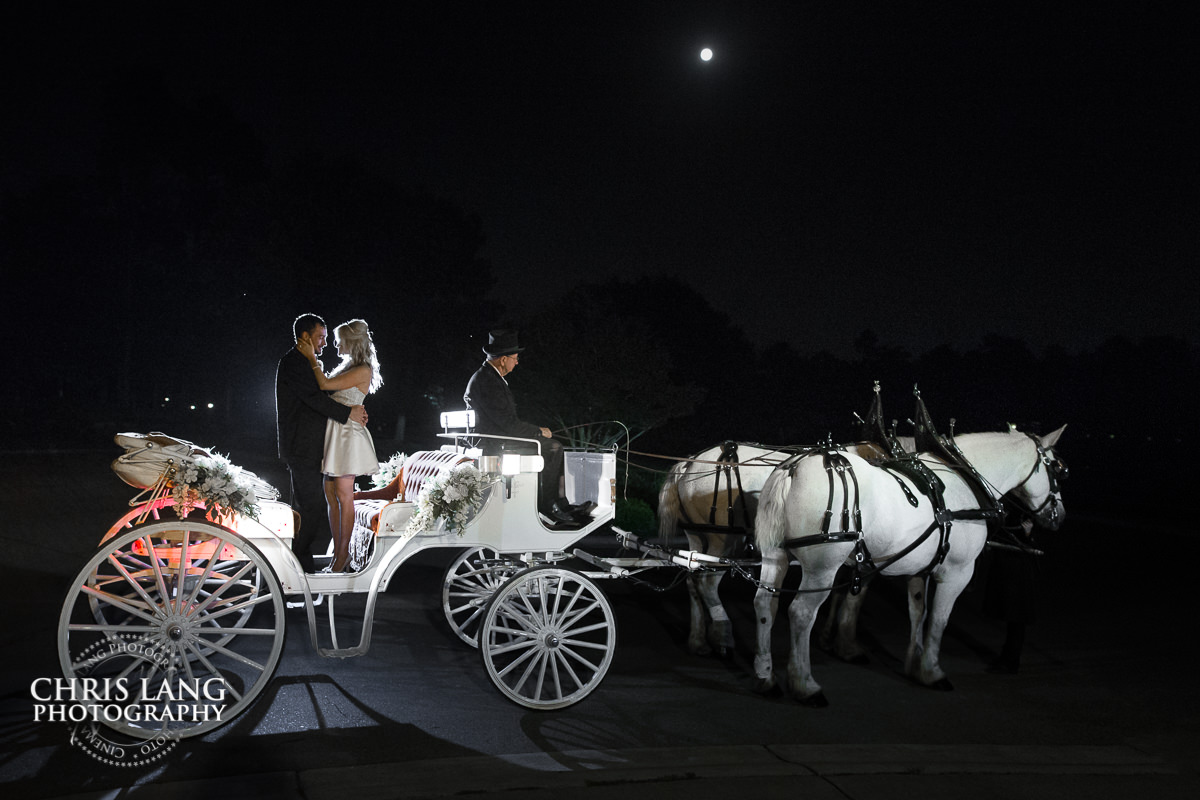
x,y
944,685
817,700
767,687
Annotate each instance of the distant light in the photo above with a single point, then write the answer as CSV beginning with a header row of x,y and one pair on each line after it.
x,y
210,405
706,54
166,399
193,408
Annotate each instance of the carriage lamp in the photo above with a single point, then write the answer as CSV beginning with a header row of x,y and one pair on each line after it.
x,y
516,463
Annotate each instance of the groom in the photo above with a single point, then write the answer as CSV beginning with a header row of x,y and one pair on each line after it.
x,y
301,409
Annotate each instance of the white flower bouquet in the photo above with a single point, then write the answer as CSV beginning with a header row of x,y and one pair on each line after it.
x,y
452,496
215,483
388,471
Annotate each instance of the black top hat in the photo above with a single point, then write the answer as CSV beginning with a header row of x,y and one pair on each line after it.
x,y
502,343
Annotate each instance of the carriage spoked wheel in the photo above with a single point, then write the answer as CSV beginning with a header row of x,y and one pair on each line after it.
x,y
156,513
467,588
547,637
183,624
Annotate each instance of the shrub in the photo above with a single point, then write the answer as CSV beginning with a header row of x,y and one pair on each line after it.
x,y
635,516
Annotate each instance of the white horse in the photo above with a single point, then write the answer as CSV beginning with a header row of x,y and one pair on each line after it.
x,y
716,507
705,492
797,498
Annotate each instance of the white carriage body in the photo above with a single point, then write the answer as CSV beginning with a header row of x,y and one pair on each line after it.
x,y
192,584
507,522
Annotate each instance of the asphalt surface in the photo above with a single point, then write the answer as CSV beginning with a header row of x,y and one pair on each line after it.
x,y
1104,705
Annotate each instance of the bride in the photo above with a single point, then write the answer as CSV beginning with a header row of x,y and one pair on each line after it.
x,y
349,449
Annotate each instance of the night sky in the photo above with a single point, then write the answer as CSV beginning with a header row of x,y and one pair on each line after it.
x,y
1007,182
931,172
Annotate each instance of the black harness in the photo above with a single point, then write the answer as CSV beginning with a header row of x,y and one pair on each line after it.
x,y
727,465
1056,470
840,473
900,465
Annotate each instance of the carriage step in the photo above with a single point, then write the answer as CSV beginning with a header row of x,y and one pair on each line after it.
x,y
300,603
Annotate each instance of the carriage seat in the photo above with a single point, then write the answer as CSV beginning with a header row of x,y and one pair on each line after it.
x,y
418,469
459,426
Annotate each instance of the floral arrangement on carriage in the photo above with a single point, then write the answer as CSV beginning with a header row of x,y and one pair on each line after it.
x,y
217,484
452,496
178,473
388,470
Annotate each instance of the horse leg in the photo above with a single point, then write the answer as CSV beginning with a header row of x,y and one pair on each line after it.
x,y
720,631
766,605
846,645
827,635
709,628
918,588
802,614
948,588
670,513
696,643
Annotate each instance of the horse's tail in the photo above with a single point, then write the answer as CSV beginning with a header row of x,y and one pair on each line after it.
x,y
771,524
669,508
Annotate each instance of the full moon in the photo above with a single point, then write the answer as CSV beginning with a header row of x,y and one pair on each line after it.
x,y
706,54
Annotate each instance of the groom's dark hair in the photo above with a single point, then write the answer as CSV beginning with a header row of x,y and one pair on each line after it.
x,y
305,323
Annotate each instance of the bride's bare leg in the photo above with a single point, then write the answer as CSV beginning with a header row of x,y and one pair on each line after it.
x,y
343,503
331,505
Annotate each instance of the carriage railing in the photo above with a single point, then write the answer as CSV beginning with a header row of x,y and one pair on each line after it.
x,y
459,437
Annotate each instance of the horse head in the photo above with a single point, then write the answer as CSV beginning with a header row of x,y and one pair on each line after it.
x,y
1038,495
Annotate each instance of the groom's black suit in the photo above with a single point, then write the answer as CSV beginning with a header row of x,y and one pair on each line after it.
x,y
301,409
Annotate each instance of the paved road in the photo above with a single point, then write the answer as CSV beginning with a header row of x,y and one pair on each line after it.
x,y
1104,706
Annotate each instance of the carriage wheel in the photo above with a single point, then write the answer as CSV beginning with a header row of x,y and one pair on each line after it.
x,y
547,637
212,584
468,586
153,512
190,623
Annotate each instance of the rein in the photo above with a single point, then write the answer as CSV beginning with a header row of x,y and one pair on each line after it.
x,y
763,460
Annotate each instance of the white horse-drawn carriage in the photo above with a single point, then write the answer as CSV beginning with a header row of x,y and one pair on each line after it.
x,y
187,612
194,608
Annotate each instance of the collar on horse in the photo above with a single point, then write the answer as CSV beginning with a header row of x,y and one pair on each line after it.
x,y
1056,470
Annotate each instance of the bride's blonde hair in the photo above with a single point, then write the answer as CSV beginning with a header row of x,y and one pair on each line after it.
x,y
355,336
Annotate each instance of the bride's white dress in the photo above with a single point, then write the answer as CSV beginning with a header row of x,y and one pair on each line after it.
x,y
349,448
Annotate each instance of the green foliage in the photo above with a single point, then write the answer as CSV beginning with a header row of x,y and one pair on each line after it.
x,y
641,483
635,516
590,362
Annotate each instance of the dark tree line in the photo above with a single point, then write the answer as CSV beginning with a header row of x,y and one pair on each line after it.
x,y
169,275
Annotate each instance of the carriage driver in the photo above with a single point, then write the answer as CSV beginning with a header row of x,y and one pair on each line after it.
x,y
489,396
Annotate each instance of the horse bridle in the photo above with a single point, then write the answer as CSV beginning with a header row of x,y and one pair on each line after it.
x,y
1056,470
